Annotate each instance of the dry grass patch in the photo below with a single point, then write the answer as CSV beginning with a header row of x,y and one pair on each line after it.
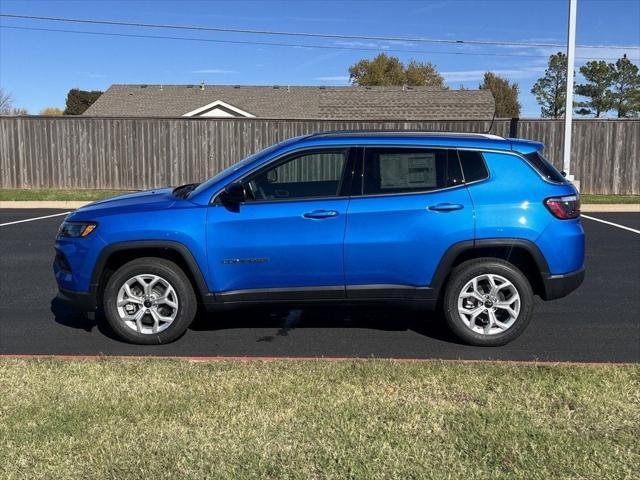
x,y
615,199
52,194
116,419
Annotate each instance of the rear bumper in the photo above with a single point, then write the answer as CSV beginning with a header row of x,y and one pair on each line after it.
x,y
83,301
558,286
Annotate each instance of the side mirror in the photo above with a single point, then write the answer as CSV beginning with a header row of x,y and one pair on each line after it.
x,y
272,176
564,174
234,194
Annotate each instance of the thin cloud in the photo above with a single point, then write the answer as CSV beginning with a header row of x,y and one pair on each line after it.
x,y
510,74
336,78
609,54
431,6
402,43
216,71
358,44
94,75
382,45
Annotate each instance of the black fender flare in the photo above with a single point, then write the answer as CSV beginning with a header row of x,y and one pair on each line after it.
x,y
454,251
177,247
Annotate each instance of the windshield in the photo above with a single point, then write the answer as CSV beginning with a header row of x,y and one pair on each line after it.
x,y
232,168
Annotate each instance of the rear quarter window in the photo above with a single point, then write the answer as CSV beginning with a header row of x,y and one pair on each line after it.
x,y
544,167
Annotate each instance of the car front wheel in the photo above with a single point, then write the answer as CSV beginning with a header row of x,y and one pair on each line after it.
x,y
149,301
488,302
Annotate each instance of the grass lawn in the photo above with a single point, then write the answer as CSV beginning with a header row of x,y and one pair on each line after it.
x,y
609,199
168,419
15,194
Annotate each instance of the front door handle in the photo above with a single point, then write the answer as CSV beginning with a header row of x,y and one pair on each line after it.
x,y
321,214
446,207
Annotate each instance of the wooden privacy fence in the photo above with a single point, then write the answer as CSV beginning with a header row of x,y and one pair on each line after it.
x,y
141,153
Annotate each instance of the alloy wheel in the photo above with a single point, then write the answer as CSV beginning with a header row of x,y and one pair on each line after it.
x,y
147,303
489,304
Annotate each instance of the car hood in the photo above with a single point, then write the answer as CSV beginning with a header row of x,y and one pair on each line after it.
x,y
158,199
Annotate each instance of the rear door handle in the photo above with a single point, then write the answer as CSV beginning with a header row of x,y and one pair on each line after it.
x,y
321,214
446,207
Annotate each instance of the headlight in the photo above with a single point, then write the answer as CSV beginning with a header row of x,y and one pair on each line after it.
x,y
76,229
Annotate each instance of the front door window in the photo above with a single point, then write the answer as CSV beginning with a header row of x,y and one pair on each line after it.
x,y
307,175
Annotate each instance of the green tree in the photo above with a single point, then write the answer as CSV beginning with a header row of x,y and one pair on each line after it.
x,y
599,77
420,74
551,89
504,93
50,111
387,70
625,88
79,100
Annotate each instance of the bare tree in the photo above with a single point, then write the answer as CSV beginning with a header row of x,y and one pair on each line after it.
x,y
6,102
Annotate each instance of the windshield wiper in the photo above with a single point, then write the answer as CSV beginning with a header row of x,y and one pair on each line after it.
x,y
184,190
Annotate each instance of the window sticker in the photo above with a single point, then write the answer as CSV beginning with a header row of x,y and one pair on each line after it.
x,y
402,170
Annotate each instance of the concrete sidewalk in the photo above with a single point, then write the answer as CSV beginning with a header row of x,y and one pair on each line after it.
x,y
586,208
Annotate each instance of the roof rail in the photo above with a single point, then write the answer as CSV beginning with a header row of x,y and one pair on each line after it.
x,y
407,133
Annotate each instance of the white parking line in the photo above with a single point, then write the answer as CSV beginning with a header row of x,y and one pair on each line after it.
x,y
34,219
611,223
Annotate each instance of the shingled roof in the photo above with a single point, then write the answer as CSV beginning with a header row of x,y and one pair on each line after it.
x,y
349,103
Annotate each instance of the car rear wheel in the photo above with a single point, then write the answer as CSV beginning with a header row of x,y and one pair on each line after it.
x,y
488,302
149,301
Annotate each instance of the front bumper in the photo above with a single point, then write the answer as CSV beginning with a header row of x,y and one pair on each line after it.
x,y
83,301
558,286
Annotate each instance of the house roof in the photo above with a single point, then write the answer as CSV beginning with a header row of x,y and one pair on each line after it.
x,y
348,103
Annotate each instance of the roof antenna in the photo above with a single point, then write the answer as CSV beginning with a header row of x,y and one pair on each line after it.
x,y
491,124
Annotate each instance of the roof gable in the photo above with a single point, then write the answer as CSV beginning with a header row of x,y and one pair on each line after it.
x,y
218,109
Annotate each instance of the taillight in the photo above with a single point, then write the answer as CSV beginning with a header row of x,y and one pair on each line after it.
x,y
564,207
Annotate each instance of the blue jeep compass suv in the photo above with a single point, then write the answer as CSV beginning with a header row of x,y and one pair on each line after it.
x,y
473,223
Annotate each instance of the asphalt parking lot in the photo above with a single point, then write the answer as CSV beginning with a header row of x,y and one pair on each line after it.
x,y
600,322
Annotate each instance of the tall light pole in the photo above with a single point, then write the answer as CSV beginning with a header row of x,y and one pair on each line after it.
x,y
568,110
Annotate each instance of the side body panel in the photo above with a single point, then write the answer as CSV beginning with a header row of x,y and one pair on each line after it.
x,y
510,204
398,240
273,245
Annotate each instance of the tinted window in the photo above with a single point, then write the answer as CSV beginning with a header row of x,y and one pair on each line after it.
x,y
236,166
543,167
473,166
401,170
313,174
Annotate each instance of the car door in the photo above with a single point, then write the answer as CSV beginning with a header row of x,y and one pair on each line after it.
x,y
412,206
286,240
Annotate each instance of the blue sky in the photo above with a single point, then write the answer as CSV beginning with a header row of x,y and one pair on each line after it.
x,y
38,68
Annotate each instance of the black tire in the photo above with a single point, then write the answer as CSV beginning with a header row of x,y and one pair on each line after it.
x,y
468,270
173,274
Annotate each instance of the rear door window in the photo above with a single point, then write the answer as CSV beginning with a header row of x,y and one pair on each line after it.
x,y
473,166
407,170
